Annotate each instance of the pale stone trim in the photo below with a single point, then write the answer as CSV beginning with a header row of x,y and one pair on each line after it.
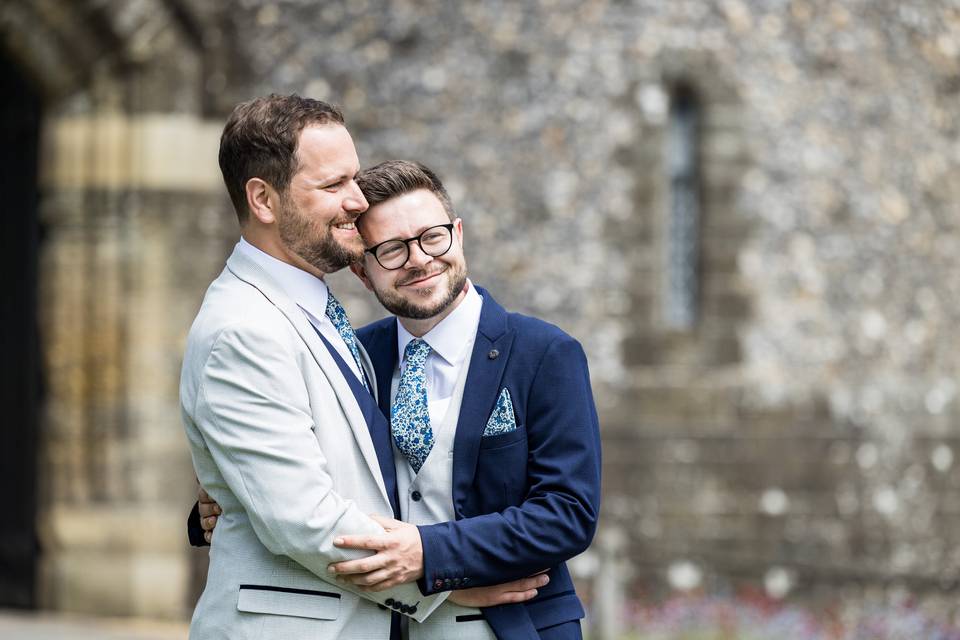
x,y
175,152
115,559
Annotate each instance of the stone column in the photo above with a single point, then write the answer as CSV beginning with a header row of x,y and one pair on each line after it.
x,y
137,225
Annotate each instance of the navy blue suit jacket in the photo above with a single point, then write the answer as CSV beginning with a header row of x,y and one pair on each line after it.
x,y
526,500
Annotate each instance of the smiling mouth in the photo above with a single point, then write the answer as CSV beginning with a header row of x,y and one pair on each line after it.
x,y
346,226
423,279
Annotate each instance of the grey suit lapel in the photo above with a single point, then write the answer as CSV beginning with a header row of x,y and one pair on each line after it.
x,y
250,272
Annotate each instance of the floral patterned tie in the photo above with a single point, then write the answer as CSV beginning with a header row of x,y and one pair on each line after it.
x,y
409,416
340,320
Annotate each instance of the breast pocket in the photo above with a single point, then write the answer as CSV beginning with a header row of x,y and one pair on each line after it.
x,y
502,469
284,601
503,439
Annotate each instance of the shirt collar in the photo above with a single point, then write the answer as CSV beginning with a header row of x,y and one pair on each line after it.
x,y
308,291
447,338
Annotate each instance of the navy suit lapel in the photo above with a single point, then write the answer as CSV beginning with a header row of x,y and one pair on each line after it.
x,y
481,390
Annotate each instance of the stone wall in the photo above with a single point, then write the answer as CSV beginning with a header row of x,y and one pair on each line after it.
x,y
802,433
800,436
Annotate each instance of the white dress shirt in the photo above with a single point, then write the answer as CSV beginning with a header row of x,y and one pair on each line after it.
x,y
309,293
449,343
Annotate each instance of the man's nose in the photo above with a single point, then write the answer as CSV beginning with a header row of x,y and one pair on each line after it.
x,y
417,257
355,201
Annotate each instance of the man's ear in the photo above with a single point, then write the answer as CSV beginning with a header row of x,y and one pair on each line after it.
x,y
261,200
361,272
458,227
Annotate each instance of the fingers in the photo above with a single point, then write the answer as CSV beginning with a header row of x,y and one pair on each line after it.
x,y
525,584
361,565
372,581
491,596
510,592
209,523
513,597
208,509
372,543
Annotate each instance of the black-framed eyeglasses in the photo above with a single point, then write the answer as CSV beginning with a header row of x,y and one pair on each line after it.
x,y
434,242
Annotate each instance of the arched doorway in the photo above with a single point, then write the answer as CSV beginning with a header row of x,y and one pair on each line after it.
x,y
20,366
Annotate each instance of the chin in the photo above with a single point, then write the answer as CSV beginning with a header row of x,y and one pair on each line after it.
x,y
353,249
354,244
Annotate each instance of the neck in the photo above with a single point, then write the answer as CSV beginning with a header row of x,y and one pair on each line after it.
x,y
271,245
419,328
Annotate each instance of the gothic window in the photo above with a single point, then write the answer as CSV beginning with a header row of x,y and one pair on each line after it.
x,y
683,216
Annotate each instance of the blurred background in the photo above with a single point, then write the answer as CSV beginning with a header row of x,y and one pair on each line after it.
x,y
746,210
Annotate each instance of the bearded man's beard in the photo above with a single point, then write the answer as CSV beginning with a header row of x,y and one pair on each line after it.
x,y
404,308
324,253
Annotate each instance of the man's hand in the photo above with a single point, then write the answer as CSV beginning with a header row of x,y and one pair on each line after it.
x,y
506,593
209,510
398,558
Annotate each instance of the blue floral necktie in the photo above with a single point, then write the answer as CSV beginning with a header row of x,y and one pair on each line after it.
x,y
340,320
409,416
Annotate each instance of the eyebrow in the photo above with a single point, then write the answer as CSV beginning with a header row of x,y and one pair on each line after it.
x,y
423,229
331,179
334,179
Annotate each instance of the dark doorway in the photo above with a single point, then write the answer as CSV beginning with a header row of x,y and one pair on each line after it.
x,y
20,384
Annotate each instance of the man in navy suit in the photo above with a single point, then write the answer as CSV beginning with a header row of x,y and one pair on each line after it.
x,y
496,440
525,454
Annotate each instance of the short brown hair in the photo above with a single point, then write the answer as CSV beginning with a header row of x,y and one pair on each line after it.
x,y
260,141
396,177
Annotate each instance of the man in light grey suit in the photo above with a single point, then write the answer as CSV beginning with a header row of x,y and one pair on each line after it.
x,y
273,393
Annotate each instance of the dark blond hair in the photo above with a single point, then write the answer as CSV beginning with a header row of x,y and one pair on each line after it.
x,y
394,178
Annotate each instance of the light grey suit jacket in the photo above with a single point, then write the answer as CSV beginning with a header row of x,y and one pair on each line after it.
x,y
278,440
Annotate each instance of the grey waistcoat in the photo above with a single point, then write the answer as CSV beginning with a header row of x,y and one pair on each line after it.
x,y
434,485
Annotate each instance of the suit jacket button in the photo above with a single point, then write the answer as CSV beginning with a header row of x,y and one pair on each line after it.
x,y
389,602
494,354
413,609
466,581
438,584
381,607
416,496
447,582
